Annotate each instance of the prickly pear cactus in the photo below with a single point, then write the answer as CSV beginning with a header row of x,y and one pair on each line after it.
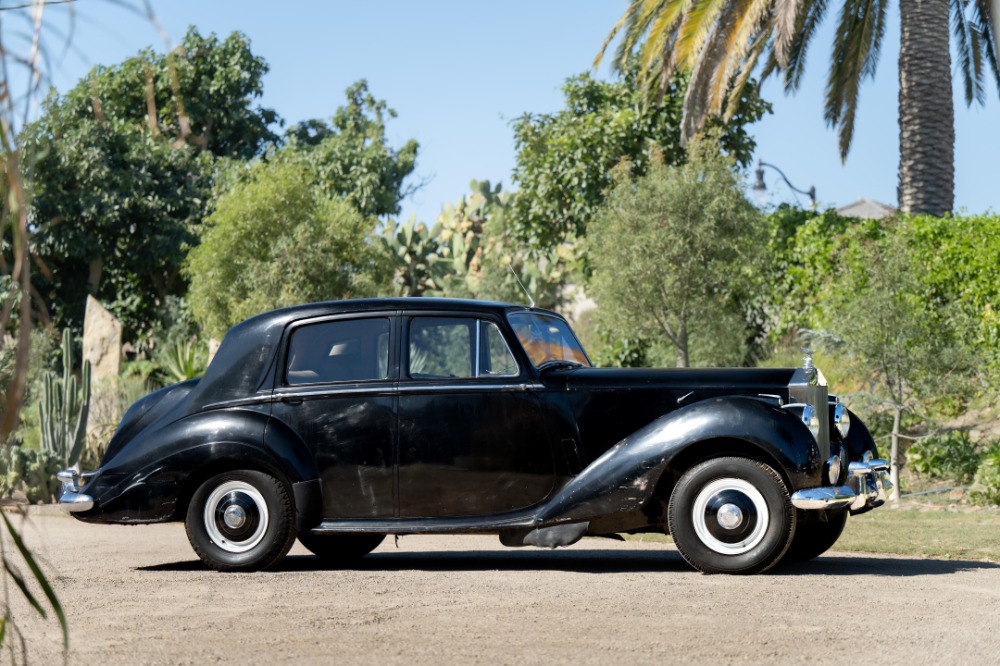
x,y
414,247
34,471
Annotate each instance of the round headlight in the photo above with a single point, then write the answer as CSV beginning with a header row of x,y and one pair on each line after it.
x,y
842,420
811,419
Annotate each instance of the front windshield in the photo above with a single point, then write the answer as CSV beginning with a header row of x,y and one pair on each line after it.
x,y
547,339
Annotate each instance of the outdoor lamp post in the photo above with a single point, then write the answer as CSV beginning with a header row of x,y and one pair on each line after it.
x,y
761,187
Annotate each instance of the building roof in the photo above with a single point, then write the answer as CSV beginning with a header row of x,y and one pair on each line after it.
x,y
867,209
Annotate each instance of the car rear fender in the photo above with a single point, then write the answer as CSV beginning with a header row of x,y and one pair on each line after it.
x,y
628,474
152,477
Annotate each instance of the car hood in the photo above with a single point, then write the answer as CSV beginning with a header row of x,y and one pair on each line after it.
x,y
736,380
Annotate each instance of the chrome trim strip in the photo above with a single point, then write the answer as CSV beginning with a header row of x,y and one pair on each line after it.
x,y
240,402
826,497
479,345
382,390
471,386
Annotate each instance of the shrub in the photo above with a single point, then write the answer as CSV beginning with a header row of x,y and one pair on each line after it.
x,y
986,485
950,455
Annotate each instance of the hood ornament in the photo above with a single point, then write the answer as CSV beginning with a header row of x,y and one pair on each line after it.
x,y
807,360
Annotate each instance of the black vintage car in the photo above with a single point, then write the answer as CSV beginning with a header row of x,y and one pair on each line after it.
x,y
343,422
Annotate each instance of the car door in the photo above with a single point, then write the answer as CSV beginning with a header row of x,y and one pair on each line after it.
x,y
337,392
472,438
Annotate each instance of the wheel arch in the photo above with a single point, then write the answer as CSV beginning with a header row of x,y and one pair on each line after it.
x,y
698,452
227,463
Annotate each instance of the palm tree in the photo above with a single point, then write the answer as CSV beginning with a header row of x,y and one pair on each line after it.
x,y
721,43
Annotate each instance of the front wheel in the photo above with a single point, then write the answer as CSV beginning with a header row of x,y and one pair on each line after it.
x,y
241,521
731,515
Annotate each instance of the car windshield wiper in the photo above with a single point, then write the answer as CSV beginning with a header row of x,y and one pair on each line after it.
x,y
560,363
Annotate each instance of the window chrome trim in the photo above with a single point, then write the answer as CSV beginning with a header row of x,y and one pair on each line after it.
x,y
478,346
506,346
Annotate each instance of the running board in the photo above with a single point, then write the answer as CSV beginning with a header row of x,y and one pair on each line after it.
x,y
423,526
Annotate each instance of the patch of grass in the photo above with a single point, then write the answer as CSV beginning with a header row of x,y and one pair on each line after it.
x,y
953,535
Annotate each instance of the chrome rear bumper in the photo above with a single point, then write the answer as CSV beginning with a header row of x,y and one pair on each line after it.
x,y
867,487
71,499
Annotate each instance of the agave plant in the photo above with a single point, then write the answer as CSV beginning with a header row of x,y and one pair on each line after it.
x,y
184,360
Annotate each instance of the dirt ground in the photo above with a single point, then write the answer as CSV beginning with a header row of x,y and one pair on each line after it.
x,y
138,595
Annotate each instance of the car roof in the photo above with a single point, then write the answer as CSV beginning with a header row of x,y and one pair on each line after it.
x,y
308,310
245,356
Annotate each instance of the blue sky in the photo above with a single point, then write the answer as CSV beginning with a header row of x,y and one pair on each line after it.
x,y
457,73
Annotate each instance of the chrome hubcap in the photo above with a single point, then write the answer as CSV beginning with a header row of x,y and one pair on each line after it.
x,y
236,516
730,516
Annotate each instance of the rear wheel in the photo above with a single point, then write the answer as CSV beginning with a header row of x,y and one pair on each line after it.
x,y
340,549
815,537
731,515
241,521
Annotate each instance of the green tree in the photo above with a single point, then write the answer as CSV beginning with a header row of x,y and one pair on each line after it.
x,y
720,43
564,159
276,239
116,209
671,252
351,155
120,172
907,343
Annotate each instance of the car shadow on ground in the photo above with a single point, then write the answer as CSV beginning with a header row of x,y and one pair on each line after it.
x,y
582,561
598,561
894,566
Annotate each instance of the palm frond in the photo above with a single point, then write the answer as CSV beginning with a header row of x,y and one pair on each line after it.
x,y
856,49
970,53
696,26
635,21
986,18
786,26
665,28
705,72
736,91
808,20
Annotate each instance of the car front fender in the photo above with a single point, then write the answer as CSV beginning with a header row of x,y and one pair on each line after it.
x,y
627,475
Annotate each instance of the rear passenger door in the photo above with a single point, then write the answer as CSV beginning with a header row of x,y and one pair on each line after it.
x,y
336,391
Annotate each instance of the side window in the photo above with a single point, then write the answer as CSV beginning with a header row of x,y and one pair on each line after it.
x,y
347,350
441,347
496,357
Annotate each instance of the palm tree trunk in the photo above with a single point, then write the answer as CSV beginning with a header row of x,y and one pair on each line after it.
x,y
926,109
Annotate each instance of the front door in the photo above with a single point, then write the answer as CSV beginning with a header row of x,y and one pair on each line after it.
x,y
472,438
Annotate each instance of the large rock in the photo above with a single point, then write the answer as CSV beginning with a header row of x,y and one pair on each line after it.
x,y
102,342
102,346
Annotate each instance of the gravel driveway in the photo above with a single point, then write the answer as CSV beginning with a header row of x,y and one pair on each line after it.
x,y
139,595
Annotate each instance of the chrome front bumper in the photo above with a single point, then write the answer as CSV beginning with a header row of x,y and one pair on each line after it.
x,y
72,499
867,487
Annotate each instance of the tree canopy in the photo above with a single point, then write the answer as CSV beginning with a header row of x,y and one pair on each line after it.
x,y
351,155
276,239
564,159
120,172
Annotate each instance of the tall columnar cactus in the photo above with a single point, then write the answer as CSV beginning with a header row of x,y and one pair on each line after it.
x,y
64,407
